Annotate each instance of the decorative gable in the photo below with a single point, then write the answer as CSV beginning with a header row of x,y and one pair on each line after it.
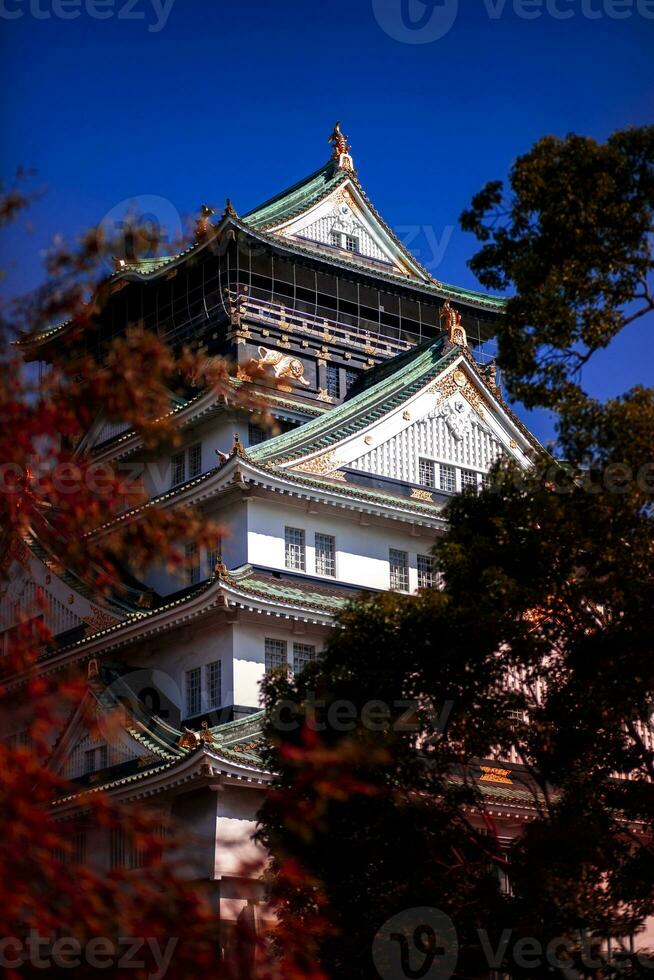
x,y
452,432
95,749
453,420
344,221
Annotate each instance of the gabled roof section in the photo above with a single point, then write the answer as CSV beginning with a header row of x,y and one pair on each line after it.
x,y
439,376
331,202
297,199
399,379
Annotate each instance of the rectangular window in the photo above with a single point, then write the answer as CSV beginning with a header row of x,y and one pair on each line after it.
x,y
193,692
485,481
332,381
214,692
192,564
212,559
194,460
256,434
426,473
325,554
350,378
335,239
117,848
351,243
426,572
178,467
96,759
294,548
303,654
399,562
276,656
447,477
468,479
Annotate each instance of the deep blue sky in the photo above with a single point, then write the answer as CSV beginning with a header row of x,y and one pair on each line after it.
x,y
238,98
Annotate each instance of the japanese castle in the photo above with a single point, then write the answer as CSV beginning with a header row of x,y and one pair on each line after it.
x,y
386,403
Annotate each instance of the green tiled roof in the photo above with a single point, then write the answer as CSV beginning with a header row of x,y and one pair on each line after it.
x,y
297,198
396,385
294,591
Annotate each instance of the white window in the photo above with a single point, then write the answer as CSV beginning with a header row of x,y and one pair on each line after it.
x,y
193,692
332,381
426,473
335,239
325,554
295,548
96,758
351,243
213,684
275,654
485,481
399,563
194,460
192,564
468,479
426,572
212,559
186,464
178,467
447,477
303,654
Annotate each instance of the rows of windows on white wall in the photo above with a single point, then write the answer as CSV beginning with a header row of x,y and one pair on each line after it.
x,y
428,577
203,688
295,557
186,464
295,549
276,655
444,476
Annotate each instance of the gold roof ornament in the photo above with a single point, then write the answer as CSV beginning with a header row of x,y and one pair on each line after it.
x,y
341,148
451,322
206,735
203,223
229,211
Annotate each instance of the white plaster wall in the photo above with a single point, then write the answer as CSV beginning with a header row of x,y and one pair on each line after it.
x,y
216,433
232,520
180,650
236,822
361,551
249,651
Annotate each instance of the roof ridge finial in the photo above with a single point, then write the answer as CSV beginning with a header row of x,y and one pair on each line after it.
x,y
341,148
229,211
455,332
